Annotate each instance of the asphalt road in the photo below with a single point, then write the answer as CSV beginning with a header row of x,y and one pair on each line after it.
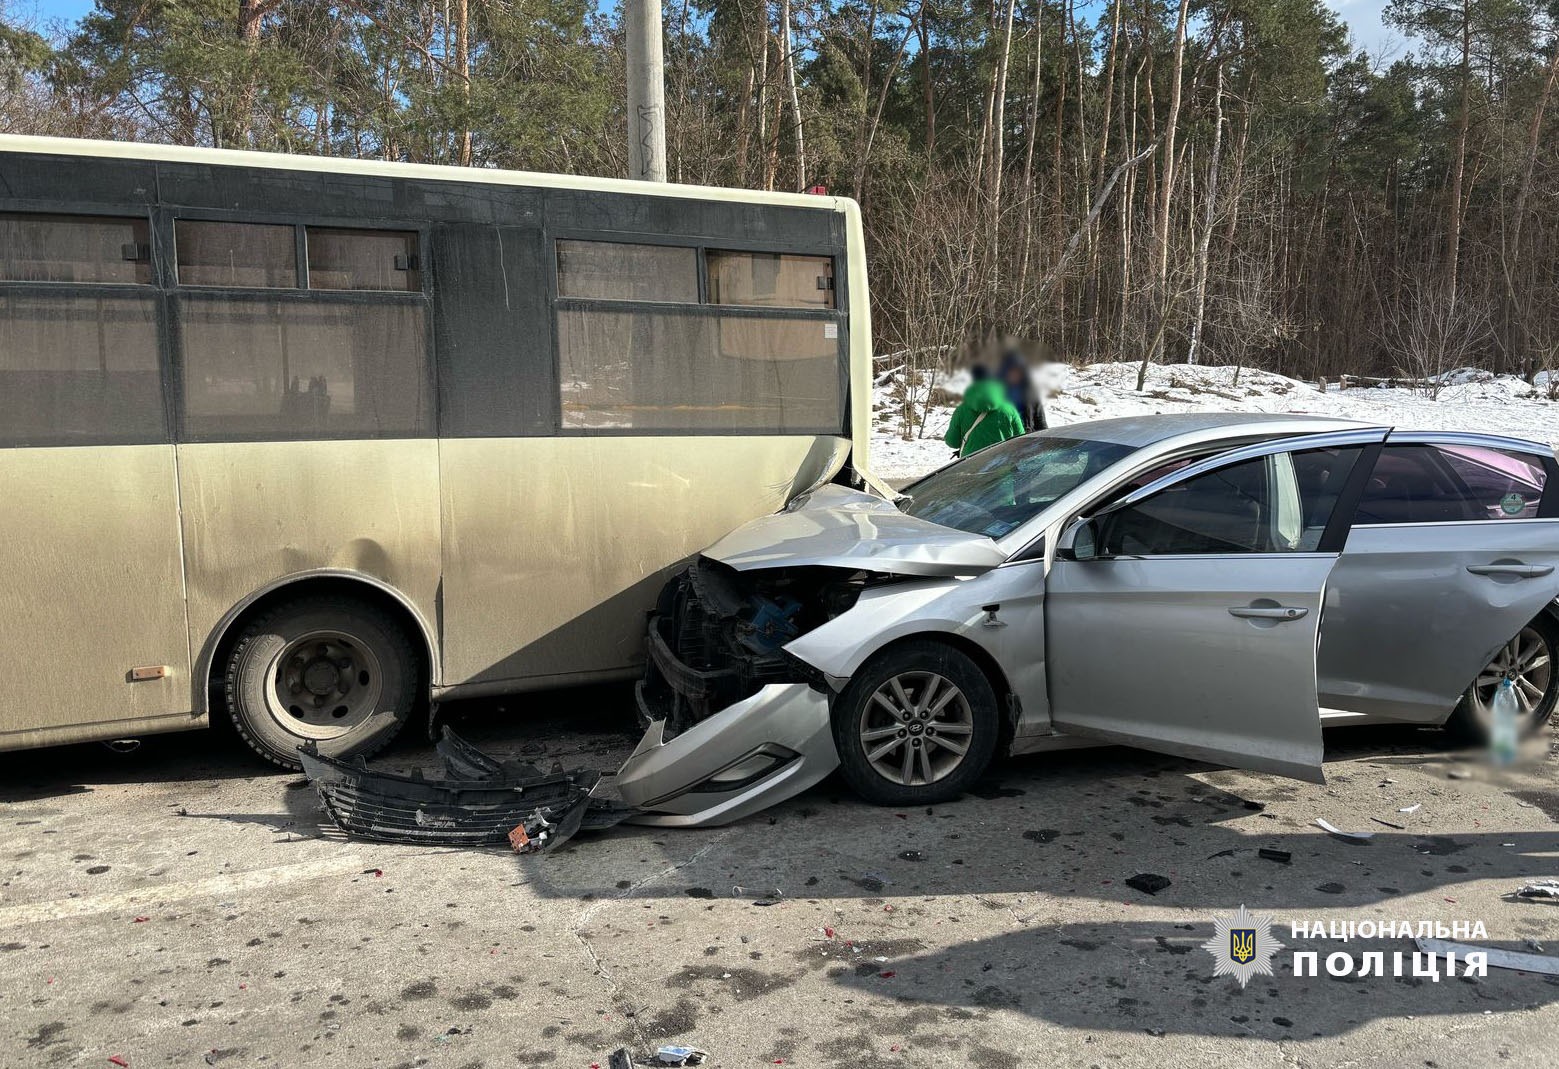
x,y
183,906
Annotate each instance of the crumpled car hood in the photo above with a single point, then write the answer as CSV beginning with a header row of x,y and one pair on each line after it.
x,y
838,527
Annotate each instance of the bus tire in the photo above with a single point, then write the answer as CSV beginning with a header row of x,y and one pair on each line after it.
x,y
341,673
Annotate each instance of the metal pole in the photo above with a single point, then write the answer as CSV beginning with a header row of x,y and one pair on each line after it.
x,y
646,92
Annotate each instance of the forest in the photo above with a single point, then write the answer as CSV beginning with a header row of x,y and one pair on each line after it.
x,y
1225,182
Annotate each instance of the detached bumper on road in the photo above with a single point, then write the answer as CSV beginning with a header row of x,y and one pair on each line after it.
x,y
745,758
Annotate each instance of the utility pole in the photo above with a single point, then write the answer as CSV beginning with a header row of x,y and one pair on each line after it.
x,y
646,92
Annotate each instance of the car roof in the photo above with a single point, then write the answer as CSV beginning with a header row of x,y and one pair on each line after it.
x,y
1138,431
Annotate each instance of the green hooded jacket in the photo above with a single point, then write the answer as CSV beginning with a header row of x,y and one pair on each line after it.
x,y
983,418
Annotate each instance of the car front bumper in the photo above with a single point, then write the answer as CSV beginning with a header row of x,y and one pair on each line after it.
x,y
745,758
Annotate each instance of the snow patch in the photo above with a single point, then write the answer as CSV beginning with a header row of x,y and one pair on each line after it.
x,y
1470,400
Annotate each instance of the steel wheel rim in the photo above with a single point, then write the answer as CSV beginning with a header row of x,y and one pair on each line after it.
x,y
323,684
1527,662
917,729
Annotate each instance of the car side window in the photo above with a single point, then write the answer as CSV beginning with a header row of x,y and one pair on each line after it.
x,y
1279,503
1451,484
1228,510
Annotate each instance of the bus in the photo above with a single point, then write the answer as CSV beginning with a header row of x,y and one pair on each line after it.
x,y
307,442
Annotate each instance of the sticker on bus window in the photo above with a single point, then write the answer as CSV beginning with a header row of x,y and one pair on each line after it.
x,y
830,331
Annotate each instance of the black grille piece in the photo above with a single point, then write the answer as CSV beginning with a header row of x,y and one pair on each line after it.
x,y
477,802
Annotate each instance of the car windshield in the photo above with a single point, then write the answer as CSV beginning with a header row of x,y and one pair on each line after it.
x,y
1000,488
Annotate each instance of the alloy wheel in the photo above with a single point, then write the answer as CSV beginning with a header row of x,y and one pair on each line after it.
x,y
916,728
1527,662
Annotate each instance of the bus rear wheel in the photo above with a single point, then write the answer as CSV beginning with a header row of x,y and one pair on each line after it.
x,y
341,674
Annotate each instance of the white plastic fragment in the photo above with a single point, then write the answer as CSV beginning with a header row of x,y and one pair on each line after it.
x,y
1411,808
1500,959
1545,889
1327,826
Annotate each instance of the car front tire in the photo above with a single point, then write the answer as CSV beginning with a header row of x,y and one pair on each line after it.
x,y
917,725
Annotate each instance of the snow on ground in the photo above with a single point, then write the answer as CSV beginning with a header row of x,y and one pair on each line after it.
x,y
1471,401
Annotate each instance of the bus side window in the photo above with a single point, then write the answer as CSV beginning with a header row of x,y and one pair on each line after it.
x,y
609,270
315,363
638,349
771,279
63,248
363,260
78,332
236,254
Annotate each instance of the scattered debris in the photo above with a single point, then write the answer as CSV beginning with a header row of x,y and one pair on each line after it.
x,y
1542,890
1357,836
1542,964
1149,883
760,898
1415,807
479,800
620,1059
1282,857
672,1055
1459,773
119,1060
1389,824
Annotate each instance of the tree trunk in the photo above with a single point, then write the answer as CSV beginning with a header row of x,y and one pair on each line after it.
x,y
1210,214
1453,230
787,43
998,157
463,69
927,91
1166,196
1030,134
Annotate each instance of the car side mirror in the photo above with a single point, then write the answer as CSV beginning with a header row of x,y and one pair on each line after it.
x,y
1079,541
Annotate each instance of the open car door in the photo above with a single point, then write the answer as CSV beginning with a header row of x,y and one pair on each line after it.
x,y
1184,617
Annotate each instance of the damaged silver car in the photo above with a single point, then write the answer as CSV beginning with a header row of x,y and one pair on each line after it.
x,y
1210,586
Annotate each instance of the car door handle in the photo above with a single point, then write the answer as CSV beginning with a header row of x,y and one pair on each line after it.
x,y
1519,571
1276,612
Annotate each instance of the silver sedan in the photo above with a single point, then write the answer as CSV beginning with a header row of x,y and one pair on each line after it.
x,y
1211,586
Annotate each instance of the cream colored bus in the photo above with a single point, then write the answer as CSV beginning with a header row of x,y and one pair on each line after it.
x,y
304,442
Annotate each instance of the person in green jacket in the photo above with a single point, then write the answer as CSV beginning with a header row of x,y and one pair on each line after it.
x,y
983,418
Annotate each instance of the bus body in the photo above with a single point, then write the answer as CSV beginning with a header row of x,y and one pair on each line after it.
x,y
489,410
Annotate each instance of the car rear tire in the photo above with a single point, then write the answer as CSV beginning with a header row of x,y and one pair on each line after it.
x,y
917,725
1531,659
340,673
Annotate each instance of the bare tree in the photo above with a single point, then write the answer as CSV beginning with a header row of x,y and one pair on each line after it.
x,y
1433,330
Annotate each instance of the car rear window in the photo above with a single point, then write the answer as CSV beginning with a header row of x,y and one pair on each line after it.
x,y
1451,484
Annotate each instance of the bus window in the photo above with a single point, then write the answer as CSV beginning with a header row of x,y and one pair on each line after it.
x,y
363,260
236,254
683,371
284,369
606,270
771,279
60,248
78,368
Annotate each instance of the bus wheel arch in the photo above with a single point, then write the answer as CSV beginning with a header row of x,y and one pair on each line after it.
x,y
334,659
